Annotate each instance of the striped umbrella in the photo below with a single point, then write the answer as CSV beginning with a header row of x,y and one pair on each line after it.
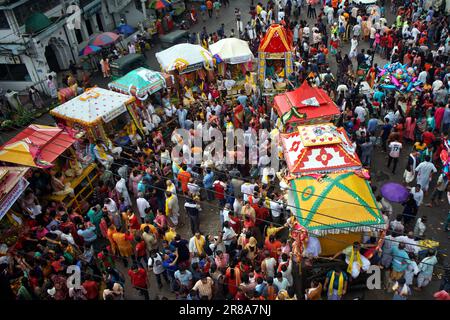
x,y
89,49
104,39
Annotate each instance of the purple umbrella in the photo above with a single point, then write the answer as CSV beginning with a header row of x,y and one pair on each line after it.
x,y
394,192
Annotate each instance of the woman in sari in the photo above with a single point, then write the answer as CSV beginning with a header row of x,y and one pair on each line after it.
x,y
400,127
233,279
123,241
371,75
135,177
410,126
238,118
111,231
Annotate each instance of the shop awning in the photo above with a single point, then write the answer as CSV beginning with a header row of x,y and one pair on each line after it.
x,y
36,146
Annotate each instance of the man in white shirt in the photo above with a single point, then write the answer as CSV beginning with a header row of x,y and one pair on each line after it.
x,y
155,264
394,154
417,192
276,209
238,204
415,33
121,188
195,247
263,15
247,189
306,32
142,204
361,113
356,31
110,205
229,236
342,88
268,83
410,243
420,227
422,77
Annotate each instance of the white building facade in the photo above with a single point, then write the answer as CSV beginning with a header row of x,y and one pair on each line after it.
x,y
42,36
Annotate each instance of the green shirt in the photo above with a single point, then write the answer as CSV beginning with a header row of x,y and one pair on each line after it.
x,y
216,5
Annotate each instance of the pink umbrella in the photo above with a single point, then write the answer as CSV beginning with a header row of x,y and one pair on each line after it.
x,y
104,39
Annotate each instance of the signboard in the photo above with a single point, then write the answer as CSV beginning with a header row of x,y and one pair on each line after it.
x,y
192,67
114,114
8,201
274,55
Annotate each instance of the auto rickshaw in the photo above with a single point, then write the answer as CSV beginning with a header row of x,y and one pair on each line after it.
x,y
122,66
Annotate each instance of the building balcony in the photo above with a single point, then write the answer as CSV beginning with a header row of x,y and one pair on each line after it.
x,y
115,6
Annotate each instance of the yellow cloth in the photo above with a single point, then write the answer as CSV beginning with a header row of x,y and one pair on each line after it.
x,y
167,204
249,79
101,152
271,231
340,286
131,129
124,245
170,235
352,259
199,244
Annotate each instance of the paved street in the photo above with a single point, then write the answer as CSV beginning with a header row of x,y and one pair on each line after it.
x,y
210,216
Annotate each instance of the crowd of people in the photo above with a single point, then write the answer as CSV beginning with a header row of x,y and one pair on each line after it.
x,y
146,203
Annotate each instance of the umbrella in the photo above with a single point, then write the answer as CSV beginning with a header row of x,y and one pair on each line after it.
x,y
104,39
125,29
394,192
159,4
89,49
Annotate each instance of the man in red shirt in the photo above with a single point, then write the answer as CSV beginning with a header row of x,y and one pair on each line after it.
x,y
390,45
91,288
428,137
138,277
273,246
262,215
209,6
219,189
141,251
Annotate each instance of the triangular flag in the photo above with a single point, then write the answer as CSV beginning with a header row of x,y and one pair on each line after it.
x,y
311,102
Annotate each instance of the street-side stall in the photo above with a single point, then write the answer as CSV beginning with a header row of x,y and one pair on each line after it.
x,y
192,66
275,57
13,183
102,115
235,63
319,149
50,149
305,105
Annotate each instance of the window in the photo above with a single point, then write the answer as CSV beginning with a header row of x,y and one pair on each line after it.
x,y
3,21
14,72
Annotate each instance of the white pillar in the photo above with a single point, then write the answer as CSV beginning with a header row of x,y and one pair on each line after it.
x,y
94,23
144,9
84,31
